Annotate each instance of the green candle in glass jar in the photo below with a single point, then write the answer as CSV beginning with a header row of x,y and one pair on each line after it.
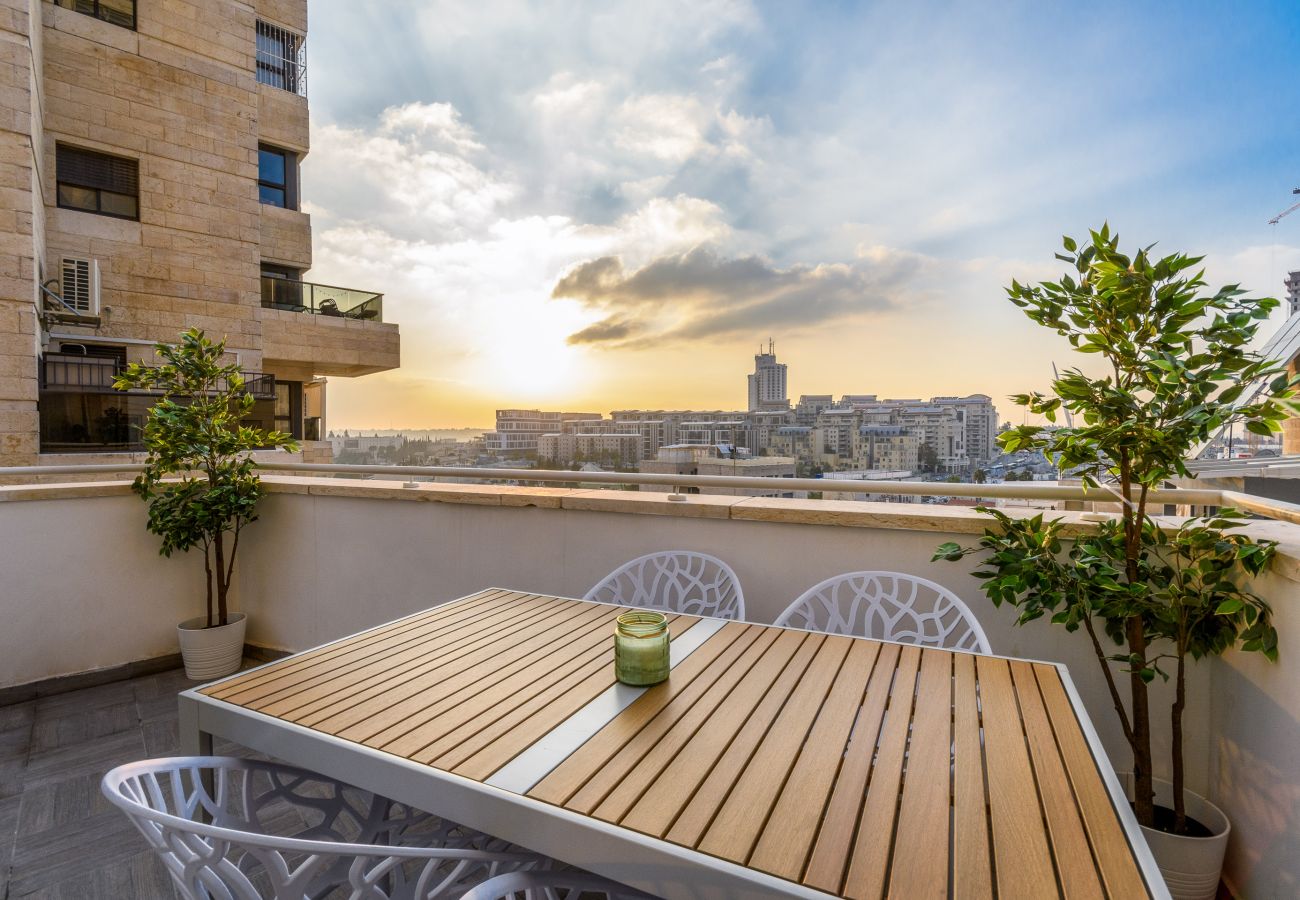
x,y
641,648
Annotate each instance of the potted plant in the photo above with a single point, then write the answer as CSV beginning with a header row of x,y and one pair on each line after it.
x,y
200,481
1175,369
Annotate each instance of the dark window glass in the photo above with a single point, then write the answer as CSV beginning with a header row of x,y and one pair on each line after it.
x,y
271,196
98,183
270,165
118,12
288,408
277,177
73,420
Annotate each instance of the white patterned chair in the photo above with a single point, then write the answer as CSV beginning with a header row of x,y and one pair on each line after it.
x,y
553,886
889,606
679,581
225,843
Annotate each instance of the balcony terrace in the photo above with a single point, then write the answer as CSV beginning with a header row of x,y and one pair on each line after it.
x,y
329,330
333,556
322,300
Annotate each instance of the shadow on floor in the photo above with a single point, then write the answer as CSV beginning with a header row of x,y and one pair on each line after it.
x,y
60,839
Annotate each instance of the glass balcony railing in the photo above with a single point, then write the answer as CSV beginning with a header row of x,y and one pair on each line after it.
x,y
305,297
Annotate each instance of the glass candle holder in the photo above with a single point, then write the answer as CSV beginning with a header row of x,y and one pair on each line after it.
x,y
641,648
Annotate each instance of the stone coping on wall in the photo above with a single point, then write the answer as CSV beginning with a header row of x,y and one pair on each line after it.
x,y
844,513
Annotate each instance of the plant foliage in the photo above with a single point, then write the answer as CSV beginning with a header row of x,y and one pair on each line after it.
x,y
199,479
1176,370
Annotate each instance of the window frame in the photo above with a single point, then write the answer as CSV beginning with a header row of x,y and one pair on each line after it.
x,y
290,184
60,181
96,5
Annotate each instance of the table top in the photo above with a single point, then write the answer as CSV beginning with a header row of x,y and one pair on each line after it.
x,y
831,764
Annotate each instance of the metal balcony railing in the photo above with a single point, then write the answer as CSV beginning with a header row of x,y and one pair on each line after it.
x,y
71,372
321,299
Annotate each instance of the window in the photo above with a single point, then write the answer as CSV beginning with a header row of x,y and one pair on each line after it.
x,y
118,12
277,177
98,183
281,61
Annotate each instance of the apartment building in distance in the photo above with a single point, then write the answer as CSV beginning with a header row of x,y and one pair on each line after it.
x,y
696,459
149,157
518,430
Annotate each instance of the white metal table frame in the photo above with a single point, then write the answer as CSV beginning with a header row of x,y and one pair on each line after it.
x,y
499,806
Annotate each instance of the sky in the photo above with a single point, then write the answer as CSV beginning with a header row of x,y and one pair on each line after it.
x,y
610,205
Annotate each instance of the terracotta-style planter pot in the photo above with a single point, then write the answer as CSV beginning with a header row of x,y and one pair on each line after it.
x,y
212,652
1191,866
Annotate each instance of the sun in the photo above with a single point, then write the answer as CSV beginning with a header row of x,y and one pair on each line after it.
x,y
528,360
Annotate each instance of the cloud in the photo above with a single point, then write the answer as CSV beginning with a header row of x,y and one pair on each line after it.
x,y
700,295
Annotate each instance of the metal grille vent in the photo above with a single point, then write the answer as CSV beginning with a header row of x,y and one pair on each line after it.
x,y
81,285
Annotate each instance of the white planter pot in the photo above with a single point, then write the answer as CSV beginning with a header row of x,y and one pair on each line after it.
x,y
1191,866
211,652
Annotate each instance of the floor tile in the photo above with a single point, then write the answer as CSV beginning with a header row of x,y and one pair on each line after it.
x,y
17,715
75,726
86,698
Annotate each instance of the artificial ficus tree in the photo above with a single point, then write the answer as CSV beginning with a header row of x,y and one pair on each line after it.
x,y
1176,369
199,479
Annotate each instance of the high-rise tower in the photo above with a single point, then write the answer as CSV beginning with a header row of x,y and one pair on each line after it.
x,y
767,388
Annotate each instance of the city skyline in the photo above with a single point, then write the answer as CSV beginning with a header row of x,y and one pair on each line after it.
x,y
648,191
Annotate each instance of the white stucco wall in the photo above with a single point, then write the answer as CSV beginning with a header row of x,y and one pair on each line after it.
x,y
82,587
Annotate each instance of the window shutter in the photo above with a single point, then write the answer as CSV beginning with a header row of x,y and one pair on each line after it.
x,y
88,169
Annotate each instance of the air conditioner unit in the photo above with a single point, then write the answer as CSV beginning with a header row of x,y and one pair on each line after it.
x,y
81,285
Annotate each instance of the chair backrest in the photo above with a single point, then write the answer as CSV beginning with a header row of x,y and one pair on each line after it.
x,y
681,581
889,606
206,818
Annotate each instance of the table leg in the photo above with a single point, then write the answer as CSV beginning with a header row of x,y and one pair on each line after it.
x,y
194,741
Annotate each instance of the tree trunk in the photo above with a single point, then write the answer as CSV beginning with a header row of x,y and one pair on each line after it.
x,y
222,586
207,567
1143,789
1176,723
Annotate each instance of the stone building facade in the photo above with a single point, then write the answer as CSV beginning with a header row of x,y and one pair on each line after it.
x,y
148,162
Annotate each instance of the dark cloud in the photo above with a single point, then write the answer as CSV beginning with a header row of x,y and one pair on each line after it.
x,y
700,295
603,331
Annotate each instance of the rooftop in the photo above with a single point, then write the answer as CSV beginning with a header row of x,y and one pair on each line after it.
x,y
332,556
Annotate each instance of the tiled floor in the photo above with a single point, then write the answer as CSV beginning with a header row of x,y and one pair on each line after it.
x,y
59,838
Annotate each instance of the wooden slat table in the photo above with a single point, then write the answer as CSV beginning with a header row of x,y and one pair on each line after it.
x,y
772,762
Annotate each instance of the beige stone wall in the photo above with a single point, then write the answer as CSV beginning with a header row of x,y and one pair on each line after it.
x,y
19,240
332,346
182,100
286,237
282,118
291,14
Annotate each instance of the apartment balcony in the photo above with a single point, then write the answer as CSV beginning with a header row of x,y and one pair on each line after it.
x,y
321,300
303,581
330,330
81,411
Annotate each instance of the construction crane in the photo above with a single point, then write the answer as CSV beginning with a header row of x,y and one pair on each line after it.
x,y
1286,212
